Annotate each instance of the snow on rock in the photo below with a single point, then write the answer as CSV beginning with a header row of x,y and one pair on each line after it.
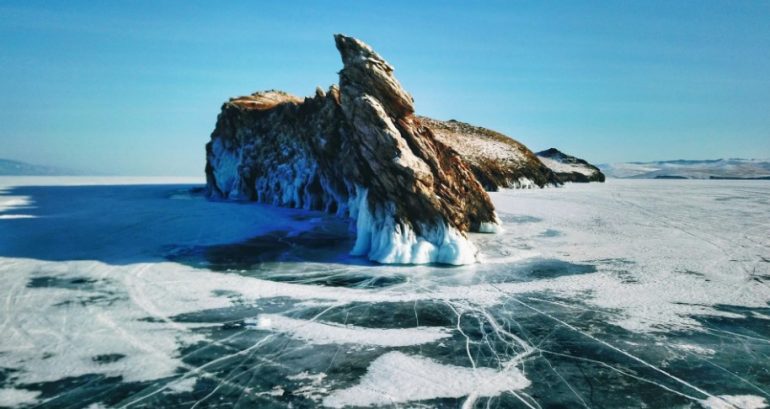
x,y
359,151
498,161
569,168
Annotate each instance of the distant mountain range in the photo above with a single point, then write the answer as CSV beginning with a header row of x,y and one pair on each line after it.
x,y
690,169
15,168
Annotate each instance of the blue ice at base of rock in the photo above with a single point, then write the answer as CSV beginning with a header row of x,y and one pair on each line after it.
x,y
380,238
142,293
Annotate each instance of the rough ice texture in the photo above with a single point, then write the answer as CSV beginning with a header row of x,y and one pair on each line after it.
x,y
357,150
497,161
569,168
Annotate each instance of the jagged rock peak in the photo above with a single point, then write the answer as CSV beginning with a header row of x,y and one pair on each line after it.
x,y
365,71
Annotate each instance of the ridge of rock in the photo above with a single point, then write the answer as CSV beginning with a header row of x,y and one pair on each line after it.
x,y
356,150
496,160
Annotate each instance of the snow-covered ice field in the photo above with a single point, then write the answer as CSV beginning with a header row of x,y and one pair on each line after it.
x,y
141,293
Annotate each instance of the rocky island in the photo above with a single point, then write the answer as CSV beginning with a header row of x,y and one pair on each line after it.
x,y
413,185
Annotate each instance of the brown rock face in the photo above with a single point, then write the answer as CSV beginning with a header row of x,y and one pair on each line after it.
x,y
408,165
358,151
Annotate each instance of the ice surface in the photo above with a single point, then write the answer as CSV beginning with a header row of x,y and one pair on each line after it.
x,y
628,294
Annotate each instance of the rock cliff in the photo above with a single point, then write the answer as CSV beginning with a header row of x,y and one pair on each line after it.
x,y
497,161
356,150
569,168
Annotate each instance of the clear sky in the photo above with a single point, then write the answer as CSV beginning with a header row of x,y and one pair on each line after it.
x,y
134,87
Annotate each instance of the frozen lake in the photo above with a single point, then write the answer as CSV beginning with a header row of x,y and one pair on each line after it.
x,y
141,293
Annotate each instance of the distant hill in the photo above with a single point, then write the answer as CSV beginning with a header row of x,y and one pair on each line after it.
x,y
690,169
569,168
15,168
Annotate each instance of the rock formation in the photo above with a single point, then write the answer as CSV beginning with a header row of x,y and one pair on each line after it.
x,y
357,150
497,161
569,168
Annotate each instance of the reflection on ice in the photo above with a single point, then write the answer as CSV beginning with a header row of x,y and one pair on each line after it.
x,y
641,293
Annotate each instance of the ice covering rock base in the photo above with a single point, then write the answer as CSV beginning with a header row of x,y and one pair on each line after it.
x,y
356,150
383,239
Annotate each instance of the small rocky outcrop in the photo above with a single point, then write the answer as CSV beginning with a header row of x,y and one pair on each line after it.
x,y
356,150
569,168
497,161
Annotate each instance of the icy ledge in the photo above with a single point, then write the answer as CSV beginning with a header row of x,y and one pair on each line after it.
x,y
380,238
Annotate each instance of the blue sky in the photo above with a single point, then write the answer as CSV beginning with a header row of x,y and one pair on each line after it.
x,y
134,87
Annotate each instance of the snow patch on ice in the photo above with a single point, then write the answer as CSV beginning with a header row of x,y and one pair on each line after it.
x,y
735,402
17,397
398,378
11,203
276,391
315,332
81,325
16,216
313,389
695,349
183,385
